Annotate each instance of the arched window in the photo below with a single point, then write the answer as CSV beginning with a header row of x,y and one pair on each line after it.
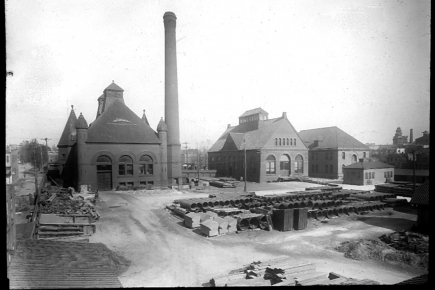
x,y
326,168
279,141
270,165
343,155
354,158
104,163
294,141
299,162
291,141
104,159
331,169
146,165
125,165
288,142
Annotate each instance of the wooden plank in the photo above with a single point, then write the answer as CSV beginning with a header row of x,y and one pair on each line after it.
x,y
310,277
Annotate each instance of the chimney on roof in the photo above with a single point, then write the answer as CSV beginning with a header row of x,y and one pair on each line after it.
x,y
229,125
284,115
411,136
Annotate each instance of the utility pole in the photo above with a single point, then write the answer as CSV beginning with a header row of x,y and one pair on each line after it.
x,y
244,146
199,163
46,147
413,168
36,178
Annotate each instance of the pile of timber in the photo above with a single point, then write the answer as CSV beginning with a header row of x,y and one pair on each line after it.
x,y
282,271
55,227
401,189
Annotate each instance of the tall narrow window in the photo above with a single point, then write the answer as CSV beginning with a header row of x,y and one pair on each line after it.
x,y
330,169
367,175
294,141
276,141
146,165
326,168
279,141
291,141
364,155
270,164
354,158
288,142
299,160
343,155
125,165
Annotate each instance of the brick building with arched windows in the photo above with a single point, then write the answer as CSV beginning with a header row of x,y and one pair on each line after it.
x,y
273,149
118,148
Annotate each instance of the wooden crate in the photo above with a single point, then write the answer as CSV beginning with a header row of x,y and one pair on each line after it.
x,y
283,219
300,218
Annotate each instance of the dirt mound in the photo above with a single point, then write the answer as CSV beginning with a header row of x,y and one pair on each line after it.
x,y
378,250
116,261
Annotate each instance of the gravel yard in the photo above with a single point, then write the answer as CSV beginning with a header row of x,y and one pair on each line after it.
x,y
163,252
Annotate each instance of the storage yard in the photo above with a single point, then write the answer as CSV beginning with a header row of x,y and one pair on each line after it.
x,y
189,237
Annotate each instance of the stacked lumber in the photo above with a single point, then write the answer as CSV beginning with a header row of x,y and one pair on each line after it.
x,y
283,271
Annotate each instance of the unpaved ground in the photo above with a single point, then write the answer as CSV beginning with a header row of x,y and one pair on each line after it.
x,y
165,253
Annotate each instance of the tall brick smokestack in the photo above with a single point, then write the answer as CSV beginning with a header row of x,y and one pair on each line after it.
x,y
171,100
411,136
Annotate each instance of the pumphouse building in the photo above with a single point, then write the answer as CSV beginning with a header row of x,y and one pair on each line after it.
x,y
119,147
273,149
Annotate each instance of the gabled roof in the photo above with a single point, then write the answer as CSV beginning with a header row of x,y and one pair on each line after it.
x,y
331,138
256,134
119,124
39,264
369,165
114,87
421,194
253,111
70,129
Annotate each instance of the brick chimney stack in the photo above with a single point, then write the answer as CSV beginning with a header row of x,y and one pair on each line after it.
x,y
171,100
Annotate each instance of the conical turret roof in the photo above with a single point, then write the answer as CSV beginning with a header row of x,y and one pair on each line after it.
x,y
70,129
162,126
81,122
144,118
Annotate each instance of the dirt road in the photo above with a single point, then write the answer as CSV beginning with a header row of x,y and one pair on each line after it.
x,y
165,253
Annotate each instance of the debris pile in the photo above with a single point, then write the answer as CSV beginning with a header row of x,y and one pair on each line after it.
x,y
378,250
407,241
283,271
63,201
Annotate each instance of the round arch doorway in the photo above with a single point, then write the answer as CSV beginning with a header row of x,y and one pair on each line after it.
x,y
104,173
284,165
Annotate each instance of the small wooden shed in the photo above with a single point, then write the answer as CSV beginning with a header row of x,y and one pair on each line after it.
x,y
232,224
192,220
209,228
203,217
223,225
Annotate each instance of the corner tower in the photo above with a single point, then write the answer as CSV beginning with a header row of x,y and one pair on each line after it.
x,y
171,100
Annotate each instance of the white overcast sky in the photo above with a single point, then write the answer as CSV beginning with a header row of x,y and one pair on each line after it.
x,y
361,65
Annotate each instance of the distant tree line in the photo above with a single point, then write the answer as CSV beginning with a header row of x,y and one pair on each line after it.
x,y
39,158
